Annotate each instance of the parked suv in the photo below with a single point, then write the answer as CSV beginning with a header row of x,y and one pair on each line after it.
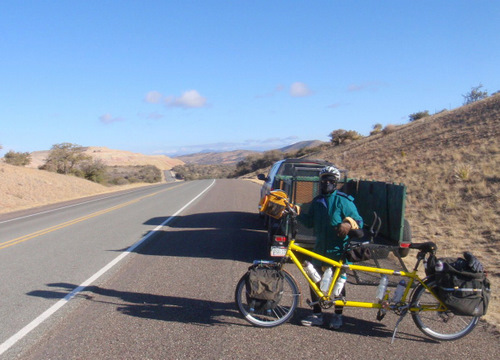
x,y
299,179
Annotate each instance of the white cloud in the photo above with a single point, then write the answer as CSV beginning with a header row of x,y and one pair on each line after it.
x,y
153,97
108,119
189,99
299,89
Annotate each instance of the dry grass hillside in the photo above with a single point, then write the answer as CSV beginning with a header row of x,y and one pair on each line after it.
x,y
112,157
450,163
23,188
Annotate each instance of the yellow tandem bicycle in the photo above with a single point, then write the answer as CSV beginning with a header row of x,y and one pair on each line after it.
x,y
419,297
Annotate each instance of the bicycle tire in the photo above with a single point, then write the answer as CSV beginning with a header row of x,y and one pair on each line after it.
x,y
280,314
439,325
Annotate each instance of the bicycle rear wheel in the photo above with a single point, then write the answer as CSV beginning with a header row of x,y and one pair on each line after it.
x,y
439,325
260,315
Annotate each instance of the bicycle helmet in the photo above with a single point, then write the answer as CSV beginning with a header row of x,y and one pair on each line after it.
x,y
330,171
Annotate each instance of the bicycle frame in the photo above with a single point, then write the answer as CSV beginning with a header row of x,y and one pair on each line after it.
x,y
339,266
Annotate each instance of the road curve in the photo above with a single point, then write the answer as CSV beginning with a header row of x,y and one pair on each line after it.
x,y
172,298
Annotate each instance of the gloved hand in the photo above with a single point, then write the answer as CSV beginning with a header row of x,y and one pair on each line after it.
x,y
474,264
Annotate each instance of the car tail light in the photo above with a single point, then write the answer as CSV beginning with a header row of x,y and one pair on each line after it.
x,y
280,238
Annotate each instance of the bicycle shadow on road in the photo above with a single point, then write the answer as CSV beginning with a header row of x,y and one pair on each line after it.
x,y
204,312
150,306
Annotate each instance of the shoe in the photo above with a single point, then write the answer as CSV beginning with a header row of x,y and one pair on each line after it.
x,y
336,322
313,320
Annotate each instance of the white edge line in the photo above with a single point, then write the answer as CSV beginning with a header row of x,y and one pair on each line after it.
x,y
50,311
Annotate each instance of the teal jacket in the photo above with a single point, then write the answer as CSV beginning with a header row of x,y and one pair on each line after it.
x,y
324,215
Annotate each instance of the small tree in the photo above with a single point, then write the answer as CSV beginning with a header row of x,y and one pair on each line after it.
x,y
337,136
65,158
474,95
17,158
418,115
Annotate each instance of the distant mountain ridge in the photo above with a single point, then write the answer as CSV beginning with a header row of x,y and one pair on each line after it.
x,y
233,157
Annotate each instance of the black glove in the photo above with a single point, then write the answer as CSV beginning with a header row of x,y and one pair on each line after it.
x,y
474,264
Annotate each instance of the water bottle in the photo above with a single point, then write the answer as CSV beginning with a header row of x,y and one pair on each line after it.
x,y
326,280
339,285
311,271
382,287
398,294
439,266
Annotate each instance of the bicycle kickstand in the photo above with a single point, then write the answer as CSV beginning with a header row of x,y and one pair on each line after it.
x,y
403,314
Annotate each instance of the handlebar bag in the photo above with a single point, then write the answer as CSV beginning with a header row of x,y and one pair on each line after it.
x,y
464,292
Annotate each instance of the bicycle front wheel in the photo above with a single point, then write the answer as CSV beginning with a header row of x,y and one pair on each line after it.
x,y
439,325
263,316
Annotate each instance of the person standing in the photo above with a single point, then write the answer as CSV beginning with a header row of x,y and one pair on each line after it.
x,y
332,215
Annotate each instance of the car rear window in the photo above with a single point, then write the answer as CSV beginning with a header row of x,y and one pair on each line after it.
x,y
311,168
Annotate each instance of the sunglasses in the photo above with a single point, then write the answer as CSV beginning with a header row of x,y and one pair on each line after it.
x,y
328,182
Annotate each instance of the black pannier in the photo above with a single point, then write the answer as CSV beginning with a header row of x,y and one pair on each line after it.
x,y
463,286
264,285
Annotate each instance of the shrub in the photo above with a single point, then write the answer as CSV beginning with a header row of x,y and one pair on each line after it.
x,y
418,115
389,129
120,175
463,172
17,158
474,95
94,170
195,171
338,137
377,129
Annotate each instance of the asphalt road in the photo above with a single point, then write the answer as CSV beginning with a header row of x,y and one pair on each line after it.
x,y
172,296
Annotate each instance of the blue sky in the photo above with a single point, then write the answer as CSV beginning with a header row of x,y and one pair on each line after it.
x,y
172,77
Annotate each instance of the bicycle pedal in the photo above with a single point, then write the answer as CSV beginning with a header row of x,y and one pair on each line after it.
x,y
380,315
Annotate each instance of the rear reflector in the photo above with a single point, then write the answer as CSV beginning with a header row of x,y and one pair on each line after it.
x,y
279,238
405,245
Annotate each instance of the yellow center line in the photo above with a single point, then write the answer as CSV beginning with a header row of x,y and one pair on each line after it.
x,y
24,238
